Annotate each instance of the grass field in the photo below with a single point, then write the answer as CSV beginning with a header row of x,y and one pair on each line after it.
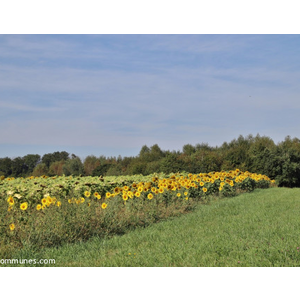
x,y
258,229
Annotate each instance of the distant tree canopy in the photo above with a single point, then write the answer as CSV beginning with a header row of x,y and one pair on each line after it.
x,y
257,154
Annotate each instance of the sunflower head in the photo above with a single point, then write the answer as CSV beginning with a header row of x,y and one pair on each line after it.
x,y
10,201
150,196
24,206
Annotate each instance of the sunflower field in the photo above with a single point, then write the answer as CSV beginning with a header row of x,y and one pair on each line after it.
x,y
48,211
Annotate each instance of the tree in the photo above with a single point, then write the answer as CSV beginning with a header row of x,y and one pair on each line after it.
x,y
90,164
170,163
286,165
73,166
101,170
18,167
188,149
6,166
145,149
156,153
55,156
31,161
40,170
56,168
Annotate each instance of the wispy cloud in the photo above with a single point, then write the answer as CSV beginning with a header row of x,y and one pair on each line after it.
x,y
126,91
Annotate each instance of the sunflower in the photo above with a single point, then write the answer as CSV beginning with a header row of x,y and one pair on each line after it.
x,y
44,201
24,205
10,201
87,194
58,203
150,196
161,190
104,205
204,190
178,195
108,194
39,207
12,226
125,197
97,195
137,194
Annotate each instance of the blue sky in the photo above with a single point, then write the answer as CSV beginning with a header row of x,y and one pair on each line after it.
x,y
111,94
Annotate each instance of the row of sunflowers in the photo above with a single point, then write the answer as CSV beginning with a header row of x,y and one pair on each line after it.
x,y
28,204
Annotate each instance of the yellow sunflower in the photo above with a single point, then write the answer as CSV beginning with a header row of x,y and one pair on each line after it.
x,y
12,226
10,200
150,196
24,205
104,205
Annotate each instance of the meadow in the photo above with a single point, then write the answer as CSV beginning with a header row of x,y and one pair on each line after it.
x,y
43,212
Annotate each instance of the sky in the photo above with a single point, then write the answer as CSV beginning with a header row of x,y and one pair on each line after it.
x,y
110,94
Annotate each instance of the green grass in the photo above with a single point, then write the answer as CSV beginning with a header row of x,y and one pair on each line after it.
x,y
258,229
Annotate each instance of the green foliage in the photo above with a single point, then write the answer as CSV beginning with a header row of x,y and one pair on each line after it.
x,y
91,162
287,165
257,154
101,170
171,163
31,161
73,166
40,169
56,168
248,184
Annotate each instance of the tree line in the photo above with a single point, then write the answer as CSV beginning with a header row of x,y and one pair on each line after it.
x,y
257,154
